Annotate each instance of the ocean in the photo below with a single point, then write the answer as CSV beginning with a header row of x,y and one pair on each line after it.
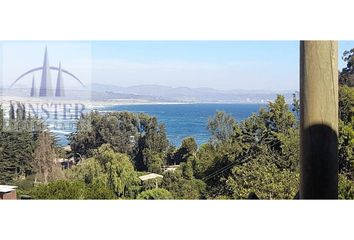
x,y
182,120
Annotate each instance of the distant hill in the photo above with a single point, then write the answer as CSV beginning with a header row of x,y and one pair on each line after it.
x,y
158,93
185,94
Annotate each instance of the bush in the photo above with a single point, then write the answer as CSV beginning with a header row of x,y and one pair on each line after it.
x,y
345,188
154,194
99,191
61,189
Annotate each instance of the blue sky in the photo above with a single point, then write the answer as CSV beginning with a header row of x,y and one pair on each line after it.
x,y
215,64
266,65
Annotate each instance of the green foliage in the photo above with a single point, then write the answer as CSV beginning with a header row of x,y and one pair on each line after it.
x,y
125,132
345,187
346,76
153,134
25,185
346,130
267,141
221,127
346,148
263,178
188,148
99,190
170,156
43,160
204,160
157,193
121,176
110,169
346,103
288,155
61,189
94,130
278,117
270,137
187,168
89,171
259,155
182,188
346,127
296,105
154,161
16,153
152,183
71,189
18,138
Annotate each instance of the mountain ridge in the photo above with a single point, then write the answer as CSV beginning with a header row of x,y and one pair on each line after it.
x,y
201,94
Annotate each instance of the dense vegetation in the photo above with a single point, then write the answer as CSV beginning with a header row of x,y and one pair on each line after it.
x,y
21,143
259,155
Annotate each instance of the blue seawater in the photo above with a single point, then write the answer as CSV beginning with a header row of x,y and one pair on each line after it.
x,y
184,120
181,120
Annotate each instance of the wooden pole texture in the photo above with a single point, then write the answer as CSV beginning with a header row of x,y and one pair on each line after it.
x,y
319,119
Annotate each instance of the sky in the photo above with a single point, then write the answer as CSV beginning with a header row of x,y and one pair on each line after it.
x,y
250,65
215,64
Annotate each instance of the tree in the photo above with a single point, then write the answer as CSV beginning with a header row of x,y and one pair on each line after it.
x,y
346,119
188,148
171,155
287,158
221,127
345,187
110,170
43,162
346,148
278,118
153,134
93,129
70,189
296,105
61,189
90,171
154,194
99,190
264,179
183,188
18,137
121,176
1,118
187,168
126,132
204,160
281,134
346,103
11,117
152,144
272,134
346,76
154,161
151,183
16,153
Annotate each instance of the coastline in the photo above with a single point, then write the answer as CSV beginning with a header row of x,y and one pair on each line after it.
x,y
98,104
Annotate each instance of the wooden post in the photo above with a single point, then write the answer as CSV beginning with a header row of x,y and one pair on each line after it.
x,y
318,119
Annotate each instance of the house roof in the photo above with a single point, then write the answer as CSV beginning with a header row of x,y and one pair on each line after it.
x,y
7,188
150,176
171,168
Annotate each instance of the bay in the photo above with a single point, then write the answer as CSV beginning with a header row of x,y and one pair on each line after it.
x,y
182,120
